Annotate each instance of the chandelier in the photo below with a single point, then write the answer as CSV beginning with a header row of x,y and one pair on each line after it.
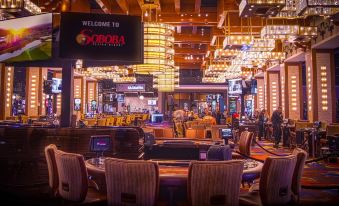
x,y
260,44
225,53
239,42
20,5
158,48
249,8
288,32
168,80
214,79
317,7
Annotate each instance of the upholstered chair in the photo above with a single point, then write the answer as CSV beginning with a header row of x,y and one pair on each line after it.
x,y
131,182
73,180
275,183
245,141
214,182
53,177
298,171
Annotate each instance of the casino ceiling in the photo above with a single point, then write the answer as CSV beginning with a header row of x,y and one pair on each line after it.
x,y
200,25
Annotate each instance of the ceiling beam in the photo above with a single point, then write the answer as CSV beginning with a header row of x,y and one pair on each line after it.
x,y
192,38
197,6
193,51
177,6
123,4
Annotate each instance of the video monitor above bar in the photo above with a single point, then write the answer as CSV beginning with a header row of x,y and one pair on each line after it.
x,y
102,37
26,39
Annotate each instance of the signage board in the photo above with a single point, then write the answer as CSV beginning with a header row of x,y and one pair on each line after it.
x,y
91,36
130,87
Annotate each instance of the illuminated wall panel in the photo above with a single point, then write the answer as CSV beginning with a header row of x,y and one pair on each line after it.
x,y
274,91
311,86
6,91
42,95
325,89
294,91
282,89
59,96
91,92
32,91
261,94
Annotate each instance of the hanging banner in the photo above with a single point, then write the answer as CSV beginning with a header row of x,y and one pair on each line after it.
x,y
101,37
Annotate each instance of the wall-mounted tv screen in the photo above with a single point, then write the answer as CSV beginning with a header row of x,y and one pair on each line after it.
x,y
101,37
152,102
235,86
77,104
26,39
56,86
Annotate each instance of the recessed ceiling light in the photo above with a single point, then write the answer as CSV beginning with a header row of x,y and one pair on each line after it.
x,y
206,14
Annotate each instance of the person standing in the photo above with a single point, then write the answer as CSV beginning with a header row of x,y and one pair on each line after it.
x,y
261,123
277,120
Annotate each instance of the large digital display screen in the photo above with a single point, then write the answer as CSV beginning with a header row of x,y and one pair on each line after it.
x,y
26,39
101,37
235,86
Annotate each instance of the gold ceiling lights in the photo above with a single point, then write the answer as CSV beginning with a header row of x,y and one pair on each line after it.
x,y
260,44
158,48
168,80
249,8
20,5
317,7
288,32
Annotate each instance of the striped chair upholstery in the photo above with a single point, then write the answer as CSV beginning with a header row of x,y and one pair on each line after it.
x,y
53,177
131,182
102,122
298,171
275,183
245,141
73,184
214,182
191,133
219,152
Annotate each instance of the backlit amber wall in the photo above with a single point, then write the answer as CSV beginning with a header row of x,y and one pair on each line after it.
x,y
260,94
6,91
311,88
283,89
59,96
91,92
274,91
294,90
325,86
32,91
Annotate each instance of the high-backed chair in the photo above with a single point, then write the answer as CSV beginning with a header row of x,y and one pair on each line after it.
x,y
53,177
91,122
131,182
245,141
214,182
275,183
298,171
73,182
190,133
219,152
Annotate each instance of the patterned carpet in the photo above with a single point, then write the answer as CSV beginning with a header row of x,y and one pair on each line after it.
x,y
321,176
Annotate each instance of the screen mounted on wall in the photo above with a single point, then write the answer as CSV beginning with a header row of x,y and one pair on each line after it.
x,y
101,37
26,39
235,86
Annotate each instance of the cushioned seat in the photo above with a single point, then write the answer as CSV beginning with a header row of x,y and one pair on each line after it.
x,y
131,182
53,178
245,141
214,182
73,182
275,183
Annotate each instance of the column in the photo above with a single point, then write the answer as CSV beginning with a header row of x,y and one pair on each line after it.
x,y
83,95
161,102
91,93
311,86
6,91
58,97
283,89
325,78
67,98
32,91
294,90
273,90
261,94
77,88
42,96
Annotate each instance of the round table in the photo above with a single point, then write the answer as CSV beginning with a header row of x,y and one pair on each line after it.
x,y
171,173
